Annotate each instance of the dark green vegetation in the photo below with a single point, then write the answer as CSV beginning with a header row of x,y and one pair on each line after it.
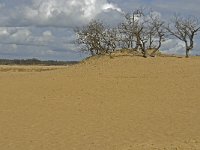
x,y
36,62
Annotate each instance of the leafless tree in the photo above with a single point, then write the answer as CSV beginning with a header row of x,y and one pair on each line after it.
x,y
96,38
130,29
142,27
185,30
142,37
133,31
156,32
141,30
89,36
126,33
110,39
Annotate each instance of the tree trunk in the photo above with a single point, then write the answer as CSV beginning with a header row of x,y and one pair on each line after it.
x,y
156,49
153,54
138,44
144,50
187,53
145,53
150,41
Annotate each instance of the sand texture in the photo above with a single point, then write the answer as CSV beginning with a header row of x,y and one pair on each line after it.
x,y
124,103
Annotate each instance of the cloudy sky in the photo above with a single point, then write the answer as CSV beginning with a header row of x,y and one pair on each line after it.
x,y
43,29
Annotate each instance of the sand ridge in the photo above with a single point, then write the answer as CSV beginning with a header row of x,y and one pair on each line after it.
x,y
123,103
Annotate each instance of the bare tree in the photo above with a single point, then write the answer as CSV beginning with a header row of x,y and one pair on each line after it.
x,y
184,29
89,36
140,29
96,38
156,32
133,31
126,32
130,28
110,39
141,37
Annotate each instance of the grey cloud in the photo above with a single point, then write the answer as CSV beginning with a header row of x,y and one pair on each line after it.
x,y
62,13
22,41
43,28
173,46
111,17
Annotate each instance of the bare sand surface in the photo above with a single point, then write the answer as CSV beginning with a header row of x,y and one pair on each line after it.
x,y
124,103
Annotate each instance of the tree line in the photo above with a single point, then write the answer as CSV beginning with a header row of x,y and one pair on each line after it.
x,y
35,62
140,31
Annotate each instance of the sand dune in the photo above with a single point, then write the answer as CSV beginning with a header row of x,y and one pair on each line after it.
x,y
124,103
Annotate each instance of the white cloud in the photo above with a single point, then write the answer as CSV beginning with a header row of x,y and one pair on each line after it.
x,y
110,6
21,34
47,34
22,42
3,32
62,13
173,46
21,22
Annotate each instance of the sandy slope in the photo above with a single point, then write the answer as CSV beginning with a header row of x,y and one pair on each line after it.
x,y
125,103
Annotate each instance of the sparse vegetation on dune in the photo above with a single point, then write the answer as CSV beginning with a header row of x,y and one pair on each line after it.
x,y
142,30
130,53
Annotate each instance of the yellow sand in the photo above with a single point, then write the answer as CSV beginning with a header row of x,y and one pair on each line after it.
x,y
124,103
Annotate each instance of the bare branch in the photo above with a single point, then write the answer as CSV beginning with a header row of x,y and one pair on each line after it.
x,y
184,29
